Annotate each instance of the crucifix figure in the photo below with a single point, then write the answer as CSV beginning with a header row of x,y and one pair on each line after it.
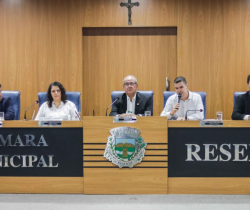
x,y
129,5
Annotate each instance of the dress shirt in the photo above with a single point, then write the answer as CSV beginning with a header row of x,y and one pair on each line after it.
x,y
246,117
193,102
131,104
66,111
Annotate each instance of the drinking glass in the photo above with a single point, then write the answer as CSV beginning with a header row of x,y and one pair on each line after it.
x,y
1,116
219,115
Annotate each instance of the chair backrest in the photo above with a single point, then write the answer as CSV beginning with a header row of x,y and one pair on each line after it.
x,y
150,93
15,98
71,96
236,94
167,94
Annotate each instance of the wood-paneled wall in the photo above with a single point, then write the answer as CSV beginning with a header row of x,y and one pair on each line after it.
x,y
214,49
110,54
41,41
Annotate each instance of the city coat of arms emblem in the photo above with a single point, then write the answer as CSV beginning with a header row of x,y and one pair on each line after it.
x,y
125,147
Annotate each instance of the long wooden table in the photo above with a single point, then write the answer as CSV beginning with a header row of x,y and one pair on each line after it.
x,y
102,177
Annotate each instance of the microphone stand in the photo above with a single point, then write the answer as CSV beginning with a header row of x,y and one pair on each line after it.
x,y
27,110
200,110
111,105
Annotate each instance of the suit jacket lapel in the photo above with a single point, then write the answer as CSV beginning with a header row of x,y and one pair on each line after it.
x,y
1,105
124,103
137,103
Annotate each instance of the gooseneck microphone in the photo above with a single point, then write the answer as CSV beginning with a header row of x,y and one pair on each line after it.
x,y
28,109
112,104
200,110
179,99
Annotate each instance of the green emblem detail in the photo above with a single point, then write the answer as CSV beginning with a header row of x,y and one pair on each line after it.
x,y
125,147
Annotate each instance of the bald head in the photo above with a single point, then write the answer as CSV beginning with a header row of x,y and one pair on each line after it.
x,y
130,85
130,77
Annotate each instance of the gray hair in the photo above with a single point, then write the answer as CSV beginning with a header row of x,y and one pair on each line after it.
x,y
130,76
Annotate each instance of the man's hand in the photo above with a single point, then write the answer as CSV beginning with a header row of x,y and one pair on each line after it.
x,y
123,115
175,109
249,118
181,118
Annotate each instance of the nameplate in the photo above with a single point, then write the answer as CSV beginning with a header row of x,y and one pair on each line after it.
x,y
52,123
211,123
128,119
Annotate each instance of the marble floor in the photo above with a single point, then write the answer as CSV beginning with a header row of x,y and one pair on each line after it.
x,y
128,202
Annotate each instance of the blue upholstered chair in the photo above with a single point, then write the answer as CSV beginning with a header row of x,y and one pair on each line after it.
x,y
236,94
115,94
15,98
71,96
167,94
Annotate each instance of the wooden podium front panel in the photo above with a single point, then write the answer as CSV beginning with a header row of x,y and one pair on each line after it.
x,y
103,177
125,181
221,185
42,185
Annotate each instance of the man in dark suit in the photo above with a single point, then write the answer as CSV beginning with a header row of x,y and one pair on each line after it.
x,y
242,105
6,106
131,102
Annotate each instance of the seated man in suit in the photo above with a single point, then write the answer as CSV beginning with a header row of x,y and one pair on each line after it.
x,y
6,106
242,105
131,102
188,101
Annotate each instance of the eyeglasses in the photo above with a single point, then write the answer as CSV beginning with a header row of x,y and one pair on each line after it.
x,y
131,84
56,91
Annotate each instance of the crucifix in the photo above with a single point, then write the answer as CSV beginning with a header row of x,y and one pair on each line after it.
x,y
129,5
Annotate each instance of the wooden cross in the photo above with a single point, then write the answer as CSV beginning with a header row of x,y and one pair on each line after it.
x,y
129,5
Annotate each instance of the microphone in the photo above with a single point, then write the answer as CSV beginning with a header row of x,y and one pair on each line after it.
x,y
112,104
179,99
78,115
28,109
200,110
